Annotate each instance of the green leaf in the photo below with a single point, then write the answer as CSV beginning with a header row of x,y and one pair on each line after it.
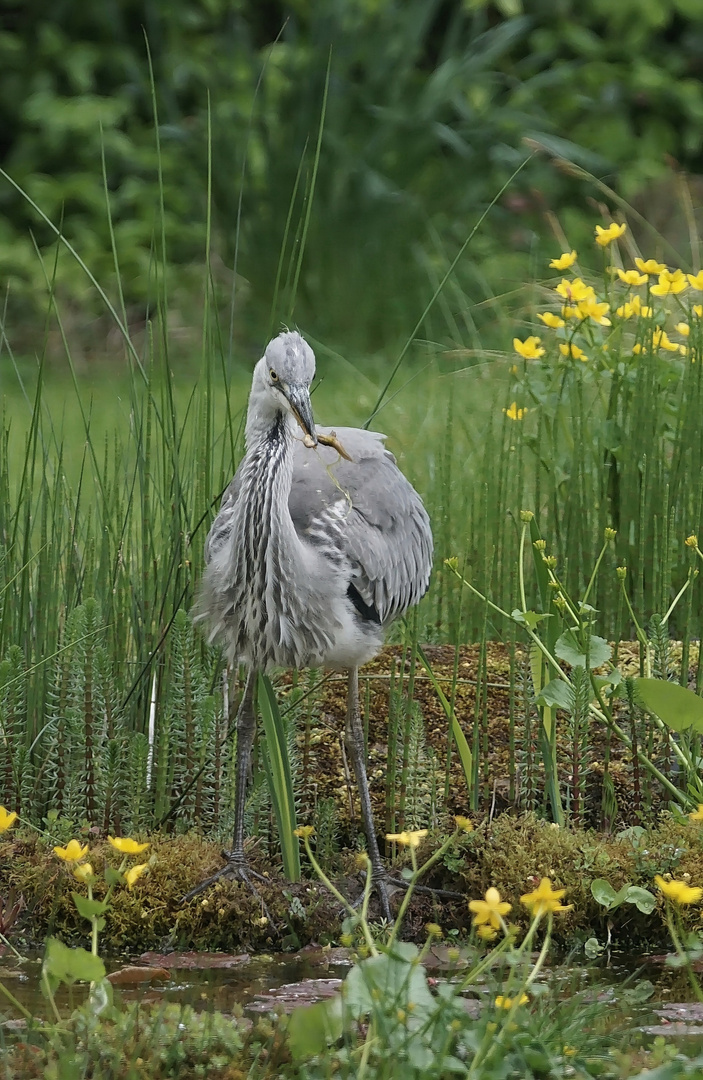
x,y
527,618
279,777
88,908
112,876
64,965
593,948
569,649
643,899
676,706
390,980
557,694
603,892
313,1028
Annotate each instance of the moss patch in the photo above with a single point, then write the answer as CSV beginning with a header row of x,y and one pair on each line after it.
x,y
511,853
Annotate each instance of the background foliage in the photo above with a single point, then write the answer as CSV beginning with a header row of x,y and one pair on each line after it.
x,y
428,105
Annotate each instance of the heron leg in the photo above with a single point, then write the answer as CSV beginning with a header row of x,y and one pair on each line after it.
x,y
354,737
237,866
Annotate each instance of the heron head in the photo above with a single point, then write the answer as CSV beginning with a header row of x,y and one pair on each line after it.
x,y
284,374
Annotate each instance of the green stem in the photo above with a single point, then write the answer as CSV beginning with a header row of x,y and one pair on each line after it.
x,y
681,952
678,596
94,925
50,995
595,571
338,896
18,1005
417,874
11,947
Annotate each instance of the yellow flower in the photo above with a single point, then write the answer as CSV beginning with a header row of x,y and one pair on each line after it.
x,y
83,872
513,413
544,899
433,929
695,815
591,309
637,348
696,281
408,839
678,891
487,933
490,910
631,277
573,351
651,266
134,873
464,823
303,831
529,348
683,328
550,319
670,282
575,291
698,310
126,846
7,819
661,340
567,259
507,1003
606,236
73,852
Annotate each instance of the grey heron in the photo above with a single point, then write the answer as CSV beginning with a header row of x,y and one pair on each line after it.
x,y
309,559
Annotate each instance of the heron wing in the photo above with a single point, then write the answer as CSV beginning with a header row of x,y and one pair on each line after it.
x,y
384,527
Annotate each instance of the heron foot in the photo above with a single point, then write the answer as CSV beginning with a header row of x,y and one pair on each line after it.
x,y
237,869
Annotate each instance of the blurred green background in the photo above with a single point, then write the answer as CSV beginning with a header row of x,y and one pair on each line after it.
x,y
428,108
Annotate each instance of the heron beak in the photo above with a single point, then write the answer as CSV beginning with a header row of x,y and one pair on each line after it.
x,y
299,400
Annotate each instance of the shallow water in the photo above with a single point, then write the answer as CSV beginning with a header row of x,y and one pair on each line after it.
x,y
659,1000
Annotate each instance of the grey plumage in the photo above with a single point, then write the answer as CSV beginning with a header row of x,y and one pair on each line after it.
x,y
311,556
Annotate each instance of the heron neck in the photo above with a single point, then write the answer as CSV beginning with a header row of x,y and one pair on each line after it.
x,y
267,477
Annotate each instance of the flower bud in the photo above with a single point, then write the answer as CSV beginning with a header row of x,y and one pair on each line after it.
x,y
526,515
621,572
610,534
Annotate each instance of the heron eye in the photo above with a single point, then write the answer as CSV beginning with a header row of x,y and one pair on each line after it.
x,y
274,376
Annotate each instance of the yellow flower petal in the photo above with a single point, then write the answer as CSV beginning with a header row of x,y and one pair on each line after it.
x,y
544,899
575,291
73,852
134,873
695,815
678,891
490,910
670,282
464,823
304,831
573,351
651,266
550,319
631,277
126,846
408,839
7,819
606,236
529,348
683,328
696,281
566,260
513,413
